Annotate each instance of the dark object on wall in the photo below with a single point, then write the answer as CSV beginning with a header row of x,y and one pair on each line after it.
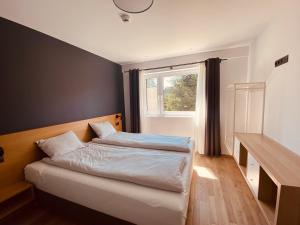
x,y
212,146
118,119
45,81
281,61
134,101
1,155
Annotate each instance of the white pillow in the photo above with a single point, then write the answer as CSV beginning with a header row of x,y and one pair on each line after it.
x,y
60,144
103,129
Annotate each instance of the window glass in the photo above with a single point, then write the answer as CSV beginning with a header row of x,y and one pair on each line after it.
x,y
179,92
152,95
171,92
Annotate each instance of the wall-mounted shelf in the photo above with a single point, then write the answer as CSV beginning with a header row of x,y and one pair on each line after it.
x,y
273,175
14,197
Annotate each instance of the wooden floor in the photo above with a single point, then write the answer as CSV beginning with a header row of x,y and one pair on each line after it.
x,y
219,196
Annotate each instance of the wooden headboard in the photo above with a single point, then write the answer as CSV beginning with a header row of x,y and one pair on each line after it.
x,y
20,148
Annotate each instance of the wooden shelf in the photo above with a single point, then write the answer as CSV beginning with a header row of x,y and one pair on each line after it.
x,y
14,197
274,171
280,162
244,170
12,190
268,209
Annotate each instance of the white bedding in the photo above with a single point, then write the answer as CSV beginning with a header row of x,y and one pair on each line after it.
x,y
158,169
134,203
150,141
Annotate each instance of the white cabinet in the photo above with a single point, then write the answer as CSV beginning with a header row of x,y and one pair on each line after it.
x,y
252,173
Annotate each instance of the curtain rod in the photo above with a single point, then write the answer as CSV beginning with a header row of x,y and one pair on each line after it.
x,y
171,66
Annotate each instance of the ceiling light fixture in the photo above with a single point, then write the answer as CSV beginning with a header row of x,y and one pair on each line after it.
x,y
133,6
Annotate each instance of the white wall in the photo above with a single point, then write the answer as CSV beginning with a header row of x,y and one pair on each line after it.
x,y
282,108
178,126
232,71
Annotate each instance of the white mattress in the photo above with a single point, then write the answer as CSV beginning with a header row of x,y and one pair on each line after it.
x,y
131,202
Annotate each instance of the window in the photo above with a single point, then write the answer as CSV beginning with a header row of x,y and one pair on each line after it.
x,y
152,95
171,92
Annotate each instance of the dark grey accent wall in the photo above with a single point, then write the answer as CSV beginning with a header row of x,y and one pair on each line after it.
x,y
45,81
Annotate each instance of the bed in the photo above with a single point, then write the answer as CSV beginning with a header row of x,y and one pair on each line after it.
x,y
132,202
148,141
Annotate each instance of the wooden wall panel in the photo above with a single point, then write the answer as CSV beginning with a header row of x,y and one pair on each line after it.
x,y
20,148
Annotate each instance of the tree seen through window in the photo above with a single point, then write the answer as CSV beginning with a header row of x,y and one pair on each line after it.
x,y
179,93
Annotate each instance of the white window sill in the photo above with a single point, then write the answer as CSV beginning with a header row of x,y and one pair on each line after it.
x,y
169,116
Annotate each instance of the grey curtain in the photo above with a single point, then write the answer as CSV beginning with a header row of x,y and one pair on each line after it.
x,y
134,101
212,143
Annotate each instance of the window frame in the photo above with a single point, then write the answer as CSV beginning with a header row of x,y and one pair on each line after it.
x,y
160,92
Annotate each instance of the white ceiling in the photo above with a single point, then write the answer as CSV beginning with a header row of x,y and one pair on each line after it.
x,y
169,28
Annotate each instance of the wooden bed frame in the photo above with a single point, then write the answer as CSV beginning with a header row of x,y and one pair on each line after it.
x,y
20,148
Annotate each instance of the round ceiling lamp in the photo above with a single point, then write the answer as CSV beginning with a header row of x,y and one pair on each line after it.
x,y
133,6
